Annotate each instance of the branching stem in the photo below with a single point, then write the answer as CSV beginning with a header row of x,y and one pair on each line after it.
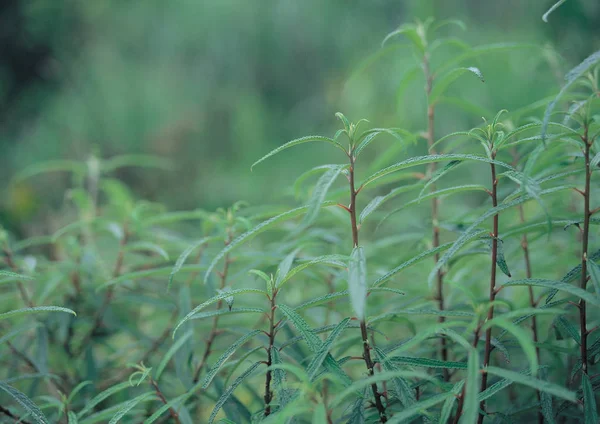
x,y
587,213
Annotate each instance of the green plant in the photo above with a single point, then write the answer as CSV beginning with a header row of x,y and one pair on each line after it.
x,y
191,317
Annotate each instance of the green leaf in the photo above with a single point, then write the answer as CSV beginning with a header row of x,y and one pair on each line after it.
x,y
541,385
357,282
422,160
590,411
72,418
130,405
523,337
428,362
442,83
404,392
144,161
225,356
26,403
296,142
377,201
174,347
319,194
568,328
552,9
148,246
229,391
263,226
77,168
331,260
320,356
148,273
411,32
449,403
500,259
314,342
557,285
10,274
214,299
418,408
594,270
282,392
34,310
185,254
225,311
471,403
164,408
570,78
89,406
368,136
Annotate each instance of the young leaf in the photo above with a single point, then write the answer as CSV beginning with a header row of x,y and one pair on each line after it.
x,y
26,403
296,142
357,282
227,393
541,385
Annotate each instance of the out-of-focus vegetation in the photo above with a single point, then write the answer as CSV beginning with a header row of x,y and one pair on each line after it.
x,y
435,262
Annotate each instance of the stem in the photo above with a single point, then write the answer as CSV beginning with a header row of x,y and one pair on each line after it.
x,y
268,392
435,202
363,324
215,324
162,398
584,251
532,302
490,314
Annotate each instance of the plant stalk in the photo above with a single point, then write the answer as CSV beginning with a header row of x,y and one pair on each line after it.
x,y
363,325
490,314
584,250
268,392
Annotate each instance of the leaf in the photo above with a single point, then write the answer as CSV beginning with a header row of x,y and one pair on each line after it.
x,y
174,347
422,160
314,342
368,136
331,260
144,161
570,78
151,247
89,406
34,310
568,328
214,299
148,273
72,418
229,391
282,393
164,408
225,356
552,9
77,168
284,267
418,408
541,385
471,403
10,274
26,403
590,411
594,270
500,259
257,230
449,403
428,362
225,311
442,83
377,201
129,406
320,356
450,166
184,255
357,282
319,193
296,142
557,285
523,336
403,390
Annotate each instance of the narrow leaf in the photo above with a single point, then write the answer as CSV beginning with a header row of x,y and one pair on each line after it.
x,y
34,310
26,403
296,142
541,385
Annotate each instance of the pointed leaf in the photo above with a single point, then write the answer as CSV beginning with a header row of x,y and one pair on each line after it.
x,y
320,356
34,310
296,142
26,403
183,257
128,406
541,385
442,83
590,412
319,194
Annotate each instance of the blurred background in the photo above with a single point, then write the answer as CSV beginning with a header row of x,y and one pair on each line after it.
x,y
214,85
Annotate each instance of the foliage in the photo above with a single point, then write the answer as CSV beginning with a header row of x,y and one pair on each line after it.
x,y
312,312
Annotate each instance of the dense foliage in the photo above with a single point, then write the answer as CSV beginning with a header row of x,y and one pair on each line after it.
x,y
458,285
